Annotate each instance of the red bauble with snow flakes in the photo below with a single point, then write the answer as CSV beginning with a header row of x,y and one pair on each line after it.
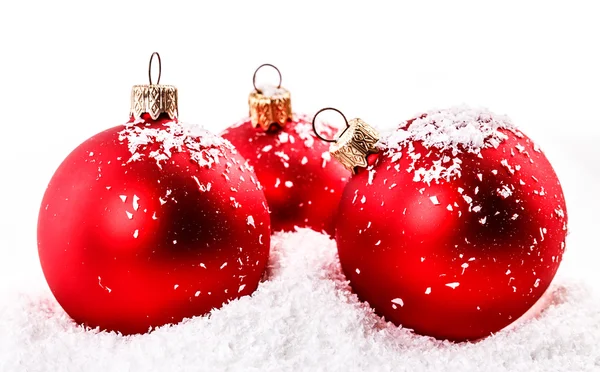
x,y
151,222
455,228
301,183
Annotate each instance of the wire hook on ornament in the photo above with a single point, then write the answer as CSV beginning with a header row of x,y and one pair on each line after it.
x,y
314,122
256,71
150,68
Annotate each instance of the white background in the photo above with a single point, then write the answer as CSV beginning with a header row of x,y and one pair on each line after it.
x,y
66,70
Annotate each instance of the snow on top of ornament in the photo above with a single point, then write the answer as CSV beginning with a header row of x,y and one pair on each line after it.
x,y
204,147
269,90
456,129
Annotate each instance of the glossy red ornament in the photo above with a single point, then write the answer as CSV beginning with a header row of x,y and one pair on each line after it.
x,y
301,183
149,223
456,228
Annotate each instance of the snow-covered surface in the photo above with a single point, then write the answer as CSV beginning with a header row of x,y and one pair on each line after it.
x,y
303,318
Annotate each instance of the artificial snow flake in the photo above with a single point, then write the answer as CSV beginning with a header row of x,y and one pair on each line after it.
x,y
371,175
283,137
202,187
398,301
504,191
326,156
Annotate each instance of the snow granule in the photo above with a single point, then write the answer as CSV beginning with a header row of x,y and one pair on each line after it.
x,y
450,131
304,317
250,221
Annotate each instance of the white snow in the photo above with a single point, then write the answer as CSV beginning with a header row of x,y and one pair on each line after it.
x,y
398,301
450,132
269,90
303,318
205,148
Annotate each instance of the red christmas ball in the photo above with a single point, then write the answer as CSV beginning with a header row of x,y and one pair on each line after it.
x,y
149,223
303,186
456,228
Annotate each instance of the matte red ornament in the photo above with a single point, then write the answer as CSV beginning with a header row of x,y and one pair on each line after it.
x,y
151,222
301,183
455,228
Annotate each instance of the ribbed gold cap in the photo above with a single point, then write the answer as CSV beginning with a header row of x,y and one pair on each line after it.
x,y
355,144
272,106
154,99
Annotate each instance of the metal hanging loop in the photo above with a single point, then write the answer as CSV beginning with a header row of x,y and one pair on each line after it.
x,y
314,121
150,68
256,71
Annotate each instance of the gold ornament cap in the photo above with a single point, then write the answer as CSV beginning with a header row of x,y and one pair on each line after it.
x,y
154,99
356,142
269,105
